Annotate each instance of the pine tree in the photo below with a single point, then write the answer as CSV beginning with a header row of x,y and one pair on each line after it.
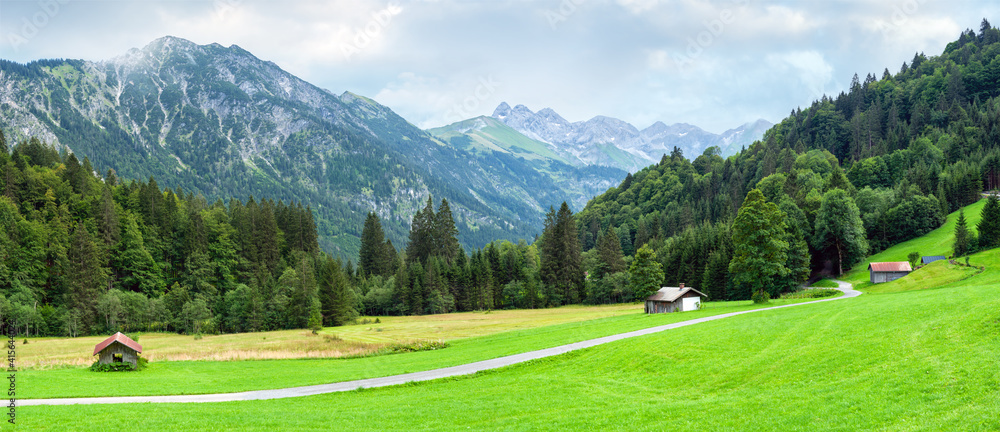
x,y
961,245
445,239
989,224
138,271
562,263
610,251
372,259
421,234
85,277
714,282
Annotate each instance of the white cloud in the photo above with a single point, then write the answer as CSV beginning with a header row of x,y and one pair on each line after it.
x,y
811,69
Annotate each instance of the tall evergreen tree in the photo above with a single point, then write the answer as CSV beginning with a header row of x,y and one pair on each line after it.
x,y
445,239
421,234
372,259
989,224
961,245
562,262
85,278
609,249
138,271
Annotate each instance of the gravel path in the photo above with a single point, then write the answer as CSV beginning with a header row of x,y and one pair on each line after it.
x,y
465,369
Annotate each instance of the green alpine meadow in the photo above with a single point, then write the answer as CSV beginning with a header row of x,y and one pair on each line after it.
x,y
630,215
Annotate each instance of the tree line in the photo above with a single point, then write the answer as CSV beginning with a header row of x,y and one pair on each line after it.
x,y
82,253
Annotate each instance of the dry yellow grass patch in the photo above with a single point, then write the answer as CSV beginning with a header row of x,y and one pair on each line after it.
x,y
332,342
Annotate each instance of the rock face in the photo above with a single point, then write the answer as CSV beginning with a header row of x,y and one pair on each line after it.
x,y
612,142
219,121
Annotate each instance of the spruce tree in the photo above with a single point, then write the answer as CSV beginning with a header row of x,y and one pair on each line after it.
x,y
989,224
445,238
421,234
562,261
961,245
610,252
372,259
85,277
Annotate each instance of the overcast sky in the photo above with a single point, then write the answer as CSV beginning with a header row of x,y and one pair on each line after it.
x,y
715,64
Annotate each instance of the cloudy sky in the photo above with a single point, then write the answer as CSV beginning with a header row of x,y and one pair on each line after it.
x,y
715,64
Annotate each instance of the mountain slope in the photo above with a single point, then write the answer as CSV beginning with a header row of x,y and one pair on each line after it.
x,y
488,136
612,142
219,121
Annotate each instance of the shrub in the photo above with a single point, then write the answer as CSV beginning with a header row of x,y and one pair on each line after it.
x,y
811,293
914,258
761,297
119,367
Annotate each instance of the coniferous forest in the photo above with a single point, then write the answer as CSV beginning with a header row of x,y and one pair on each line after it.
x,y
83,252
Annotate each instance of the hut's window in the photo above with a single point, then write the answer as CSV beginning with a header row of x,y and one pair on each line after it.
x,y
118,358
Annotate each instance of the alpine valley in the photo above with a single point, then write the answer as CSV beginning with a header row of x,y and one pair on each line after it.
x,y
220,122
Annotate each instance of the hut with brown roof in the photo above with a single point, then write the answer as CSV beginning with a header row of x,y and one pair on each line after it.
x,y
674,299
888,271
118,349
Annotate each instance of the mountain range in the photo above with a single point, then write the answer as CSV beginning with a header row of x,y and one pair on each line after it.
x,y
613,142
219,121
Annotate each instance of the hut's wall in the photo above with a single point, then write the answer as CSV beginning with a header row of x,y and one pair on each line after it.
x,y
660,306
880,277
108,354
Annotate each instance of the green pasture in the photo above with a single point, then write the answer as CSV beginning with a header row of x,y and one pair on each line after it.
x,y
924,359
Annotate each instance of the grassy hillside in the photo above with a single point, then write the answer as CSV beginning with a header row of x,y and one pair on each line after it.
x,y
914,360
485,134
937,242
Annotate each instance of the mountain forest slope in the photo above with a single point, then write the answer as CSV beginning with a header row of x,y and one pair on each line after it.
x,y
220,122
906,148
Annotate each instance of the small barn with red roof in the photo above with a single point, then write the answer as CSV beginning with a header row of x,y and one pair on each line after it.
x,y
118,349
888,271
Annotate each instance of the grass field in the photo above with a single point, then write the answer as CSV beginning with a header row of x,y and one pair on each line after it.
x,y
937,242
824,283
921,359
191,377
332,342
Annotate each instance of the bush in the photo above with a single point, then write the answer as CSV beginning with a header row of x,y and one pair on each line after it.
x,y
811,293
914,258
761,297
119,367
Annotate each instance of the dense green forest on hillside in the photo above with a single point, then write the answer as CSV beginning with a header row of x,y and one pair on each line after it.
x,y
906,149
84,254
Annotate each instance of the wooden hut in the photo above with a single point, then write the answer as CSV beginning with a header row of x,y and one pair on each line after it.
x,y
888,271
674,299
118,349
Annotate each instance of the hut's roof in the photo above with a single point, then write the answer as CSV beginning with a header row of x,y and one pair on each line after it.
x,y
669,294
931,258
120,338
898,266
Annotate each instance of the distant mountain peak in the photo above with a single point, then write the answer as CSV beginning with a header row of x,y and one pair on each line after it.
x,y
581,139
502,110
